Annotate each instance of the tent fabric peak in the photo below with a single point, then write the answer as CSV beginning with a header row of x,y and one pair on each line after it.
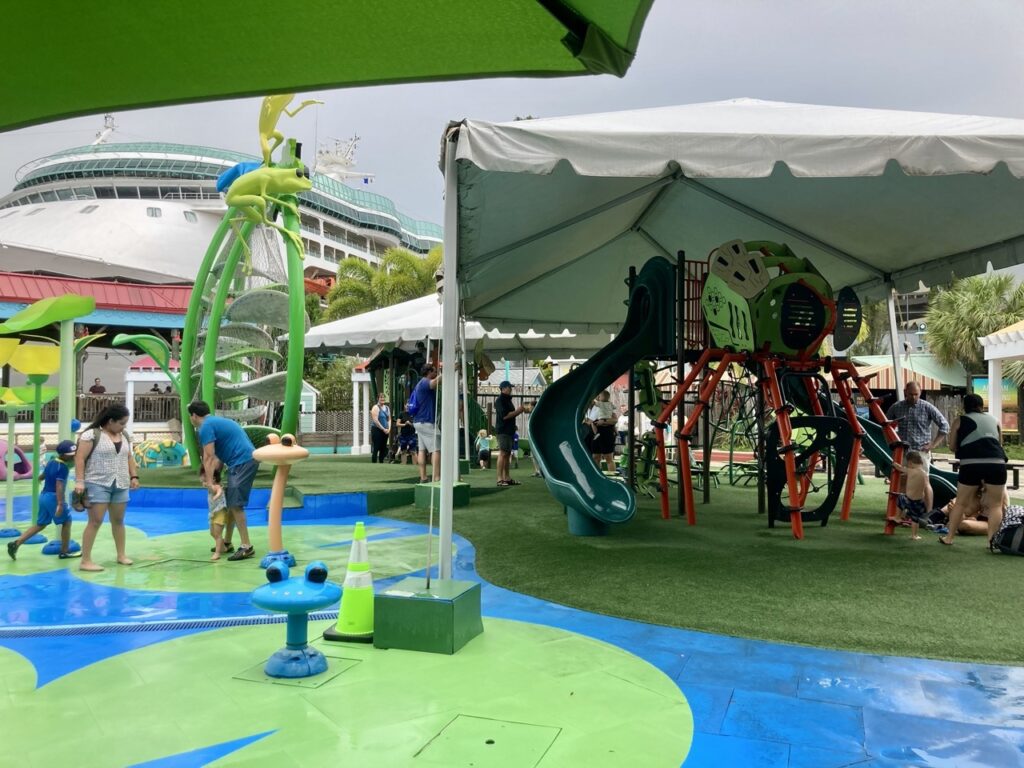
x,y
552,213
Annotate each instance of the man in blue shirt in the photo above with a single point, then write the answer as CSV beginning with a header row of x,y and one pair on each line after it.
x,y
426,432
225,443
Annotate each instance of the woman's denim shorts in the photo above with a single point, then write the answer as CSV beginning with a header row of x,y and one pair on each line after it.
x,y
106,494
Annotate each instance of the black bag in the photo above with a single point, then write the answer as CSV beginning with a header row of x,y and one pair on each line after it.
x,y
1010,538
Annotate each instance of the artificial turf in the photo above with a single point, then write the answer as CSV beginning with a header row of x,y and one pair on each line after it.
x,y
843,586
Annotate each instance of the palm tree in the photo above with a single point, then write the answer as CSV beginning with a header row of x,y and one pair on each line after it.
x,y
972,307
402,275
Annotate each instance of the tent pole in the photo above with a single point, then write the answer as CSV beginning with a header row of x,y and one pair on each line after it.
x,y
894,340
680,375
630,444
465,390
449,394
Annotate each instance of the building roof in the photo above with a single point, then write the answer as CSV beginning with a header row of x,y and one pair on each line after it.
x,y
147,363
922,368
162,299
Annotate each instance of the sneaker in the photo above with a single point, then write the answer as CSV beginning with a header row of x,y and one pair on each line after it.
x,y
12,550
69,555
227,548
243,553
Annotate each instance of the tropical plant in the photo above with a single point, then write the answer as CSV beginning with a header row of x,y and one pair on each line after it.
x,y
334,381
873,338
972,307
402,275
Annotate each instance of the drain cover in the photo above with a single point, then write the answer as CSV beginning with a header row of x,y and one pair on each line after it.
x,y
480,742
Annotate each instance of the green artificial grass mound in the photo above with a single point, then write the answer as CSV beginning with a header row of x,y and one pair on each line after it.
x,y
843,586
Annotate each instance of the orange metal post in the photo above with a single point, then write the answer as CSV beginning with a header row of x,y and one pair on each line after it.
x,y
842,383
664,419
786,445
891,436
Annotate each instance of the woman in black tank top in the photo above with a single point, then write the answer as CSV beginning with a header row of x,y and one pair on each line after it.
x,y
976,439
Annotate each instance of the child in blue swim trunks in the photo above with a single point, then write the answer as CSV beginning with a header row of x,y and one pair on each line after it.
x,y
916,502
53,503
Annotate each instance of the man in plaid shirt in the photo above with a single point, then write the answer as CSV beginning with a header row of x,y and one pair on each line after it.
x,y
914,418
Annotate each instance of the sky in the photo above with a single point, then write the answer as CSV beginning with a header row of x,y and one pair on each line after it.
x,y
923,55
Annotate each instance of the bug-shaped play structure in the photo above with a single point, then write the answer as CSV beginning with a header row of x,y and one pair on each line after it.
x,y
770,311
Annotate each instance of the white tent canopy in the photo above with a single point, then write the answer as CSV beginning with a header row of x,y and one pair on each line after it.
x,y
413,321
552,212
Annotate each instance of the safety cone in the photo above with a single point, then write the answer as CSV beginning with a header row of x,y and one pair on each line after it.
x,y
355,619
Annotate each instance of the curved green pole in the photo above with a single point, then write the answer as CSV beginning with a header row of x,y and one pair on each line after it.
x,y
66,402
9,513
217,307
190,334
37,453
296,325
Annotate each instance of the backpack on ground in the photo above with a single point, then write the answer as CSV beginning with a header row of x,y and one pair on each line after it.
x,y
1010,538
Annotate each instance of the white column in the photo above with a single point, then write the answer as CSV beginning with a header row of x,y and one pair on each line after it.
x,y
465,389
129,401
449,388
366,415
995,390
355,416
894,342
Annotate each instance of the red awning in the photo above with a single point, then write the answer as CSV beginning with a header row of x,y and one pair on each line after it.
x,y
147,363
164,299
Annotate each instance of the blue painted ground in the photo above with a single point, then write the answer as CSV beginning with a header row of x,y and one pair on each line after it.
x,y
754,703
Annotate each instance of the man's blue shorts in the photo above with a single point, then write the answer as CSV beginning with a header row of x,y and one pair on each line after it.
x,y
239,484
48,511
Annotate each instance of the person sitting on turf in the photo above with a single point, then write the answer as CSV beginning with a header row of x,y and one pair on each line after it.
x,y
917,499
53,504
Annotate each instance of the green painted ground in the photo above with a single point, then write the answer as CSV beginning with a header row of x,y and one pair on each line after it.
x,y
517,695
180,562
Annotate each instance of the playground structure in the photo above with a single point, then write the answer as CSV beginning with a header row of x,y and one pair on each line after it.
x,y
756,376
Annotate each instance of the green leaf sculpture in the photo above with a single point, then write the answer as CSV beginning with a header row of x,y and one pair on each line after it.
x,y
48,311
84,341
155,347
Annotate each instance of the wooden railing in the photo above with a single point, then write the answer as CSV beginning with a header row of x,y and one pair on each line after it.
x,y
147,408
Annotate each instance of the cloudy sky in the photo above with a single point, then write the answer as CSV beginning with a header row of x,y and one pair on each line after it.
x,y
926,55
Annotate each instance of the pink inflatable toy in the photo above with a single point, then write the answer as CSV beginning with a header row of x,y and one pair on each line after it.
x,y
22,466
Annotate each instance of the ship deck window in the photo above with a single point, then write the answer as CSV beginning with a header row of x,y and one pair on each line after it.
x,y
190,217
105,193
149,193
154,213
89,209
37,210
131,193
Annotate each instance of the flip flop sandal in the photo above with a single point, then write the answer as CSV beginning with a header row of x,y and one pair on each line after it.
x,y
513,482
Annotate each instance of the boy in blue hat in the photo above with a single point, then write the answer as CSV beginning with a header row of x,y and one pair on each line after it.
x,y
53,505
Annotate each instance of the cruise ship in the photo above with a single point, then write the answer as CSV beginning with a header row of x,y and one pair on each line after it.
x,y
146,212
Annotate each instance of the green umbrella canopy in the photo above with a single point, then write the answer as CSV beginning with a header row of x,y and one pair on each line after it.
x,y
92,57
